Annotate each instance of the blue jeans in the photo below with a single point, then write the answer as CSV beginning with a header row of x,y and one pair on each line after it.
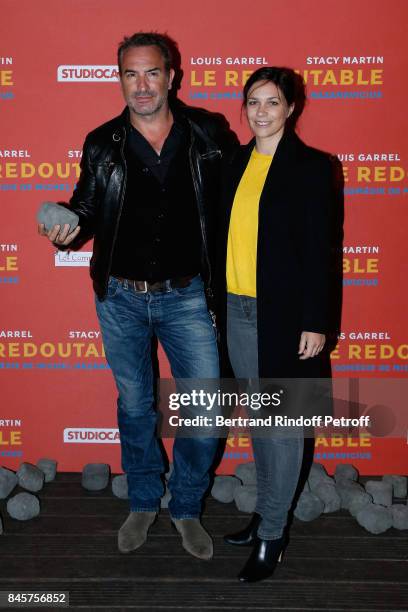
x,y
278,459
180,320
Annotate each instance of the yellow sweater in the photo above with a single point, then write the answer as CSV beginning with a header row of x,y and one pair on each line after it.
x,y
243,228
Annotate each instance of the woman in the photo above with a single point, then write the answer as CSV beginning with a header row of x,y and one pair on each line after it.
x,y
276,248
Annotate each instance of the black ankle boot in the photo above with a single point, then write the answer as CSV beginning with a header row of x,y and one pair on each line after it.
x,y
263,560
247,536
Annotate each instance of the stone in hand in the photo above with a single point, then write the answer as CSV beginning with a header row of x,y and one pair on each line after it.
x,y
52,214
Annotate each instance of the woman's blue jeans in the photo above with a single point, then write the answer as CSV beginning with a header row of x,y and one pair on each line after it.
x,y
180,320
278,459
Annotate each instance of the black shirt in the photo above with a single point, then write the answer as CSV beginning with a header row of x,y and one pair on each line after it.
x,y
157,164
159,235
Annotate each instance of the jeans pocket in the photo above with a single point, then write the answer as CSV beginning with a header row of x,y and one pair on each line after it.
x,y
196,287
113,286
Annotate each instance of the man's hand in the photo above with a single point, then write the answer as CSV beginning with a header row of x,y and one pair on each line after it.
x,y
311,344
57,235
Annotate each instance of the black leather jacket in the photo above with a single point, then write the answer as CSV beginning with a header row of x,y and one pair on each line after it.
x,y
99,194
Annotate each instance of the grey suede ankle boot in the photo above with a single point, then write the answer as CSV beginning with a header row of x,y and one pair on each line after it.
x,y
195,539
133,532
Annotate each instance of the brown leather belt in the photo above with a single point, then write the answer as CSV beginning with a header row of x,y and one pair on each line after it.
x,y
157,286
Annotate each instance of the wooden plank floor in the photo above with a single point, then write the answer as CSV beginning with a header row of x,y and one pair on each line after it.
x,y
331,564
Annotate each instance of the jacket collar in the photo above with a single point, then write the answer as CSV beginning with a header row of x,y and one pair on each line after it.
x,y
119,131
123,120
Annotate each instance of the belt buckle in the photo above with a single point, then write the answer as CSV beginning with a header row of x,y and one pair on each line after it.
x,y
145,290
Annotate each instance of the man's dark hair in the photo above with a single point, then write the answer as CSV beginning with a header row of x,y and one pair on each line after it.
x,y
148,39
289,82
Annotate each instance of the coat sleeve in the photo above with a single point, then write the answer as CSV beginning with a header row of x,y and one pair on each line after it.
x,y
226,139
318,200
218,130
84,201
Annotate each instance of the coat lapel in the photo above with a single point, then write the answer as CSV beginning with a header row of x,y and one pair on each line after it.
x,y
280,172
236,170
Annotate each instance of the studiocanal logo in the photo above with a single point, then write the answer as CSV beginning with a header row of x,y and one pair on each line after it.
x,y
91,435
6,78
9,264
361,265
11,437
374,174
87,73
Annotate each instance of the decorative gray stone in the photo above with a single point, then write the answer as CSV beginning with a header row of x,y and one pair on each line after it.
x,y
224,487
30,477
345,471
381,492
323,480
376,519
348,490
245,498
120,486
48,467
399,516
169,473
95,476
246,472
23,506
399,484
309,507
51,214
329,496
164,502
8,480
358,502
316,475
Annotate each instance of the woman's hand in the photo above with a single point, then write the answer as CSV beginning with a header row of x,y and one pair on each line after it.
x,y
311,344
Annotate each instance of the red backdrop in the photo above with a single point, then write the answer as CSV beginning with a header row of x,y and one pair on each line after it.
x,y
353,56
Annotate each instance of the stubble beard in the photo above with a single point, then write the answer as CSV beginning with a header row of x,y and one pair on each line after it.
x,y
147,112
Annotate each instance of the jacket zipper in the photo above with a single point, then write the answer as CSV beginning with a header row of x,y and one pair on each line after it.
x,y
199,206
122,197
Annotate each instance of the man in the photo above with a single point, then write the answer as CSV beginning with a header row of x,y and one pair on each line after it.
x,y
148,186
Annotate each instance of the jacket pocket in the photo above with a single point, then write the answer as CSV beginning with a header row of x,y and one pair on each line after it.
x,y
211,154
